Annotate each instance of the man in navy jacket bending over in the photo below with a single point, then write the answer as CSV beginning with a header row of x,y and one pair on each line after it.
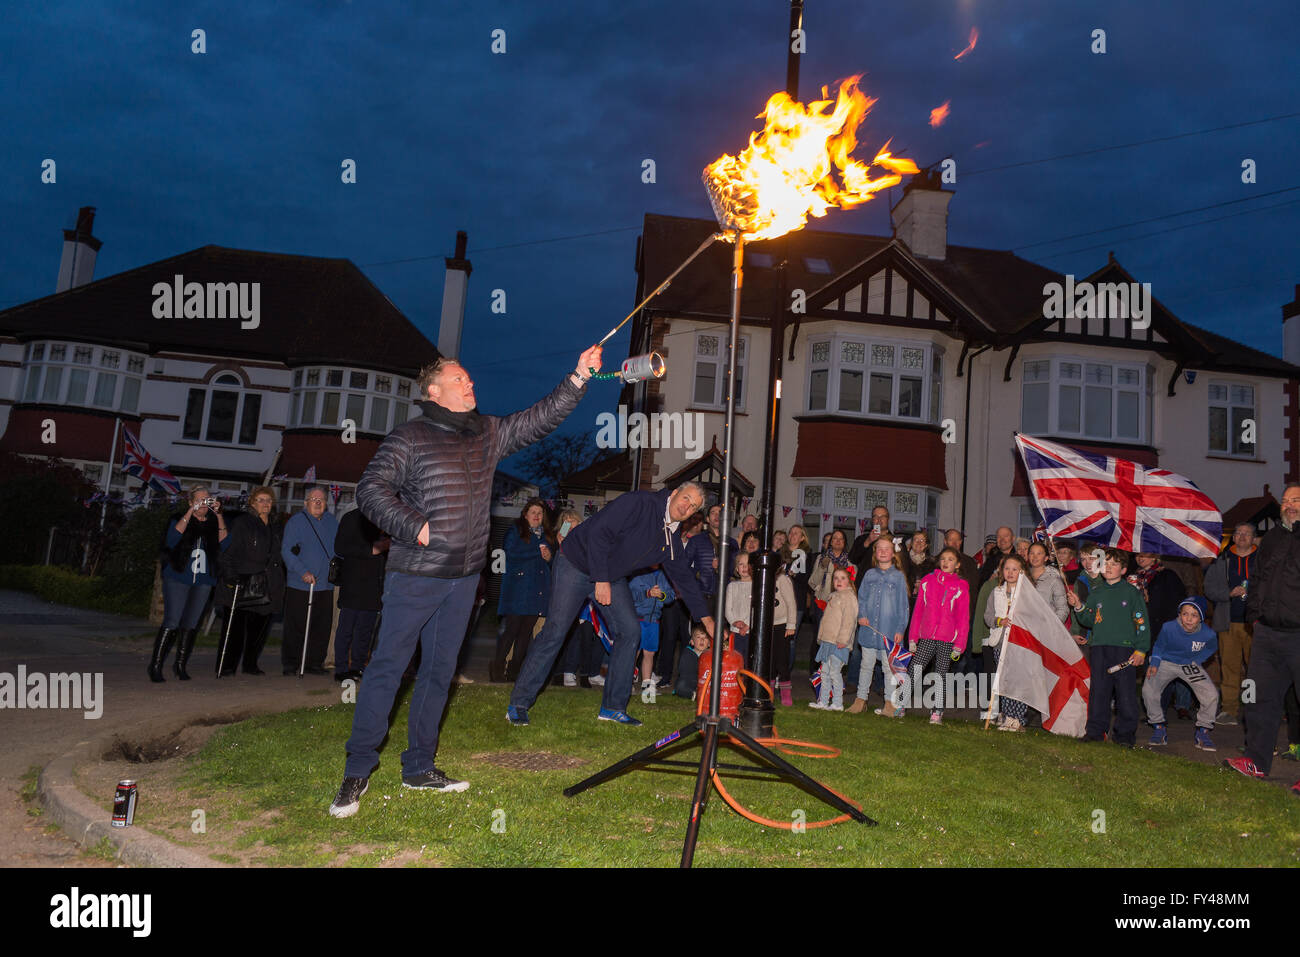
x,y
635,531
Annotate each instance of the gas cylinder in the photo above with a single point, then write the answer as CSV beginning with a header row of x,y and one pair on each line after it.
x,y
731,694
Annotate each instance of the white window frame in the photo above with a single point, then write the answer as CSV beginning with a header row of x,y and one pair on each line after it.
x,y
1229,406
40,362
924,518
1027,511
930,373
1056,381
370,395
244,393
720,363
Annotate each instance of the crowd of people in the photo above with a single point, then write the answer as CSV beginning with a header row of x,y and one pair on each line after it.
x,y
645,573
1155,647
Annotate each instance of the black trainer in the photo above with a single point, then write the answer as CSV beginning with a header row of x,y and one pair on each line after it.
x,y
348,800
433,780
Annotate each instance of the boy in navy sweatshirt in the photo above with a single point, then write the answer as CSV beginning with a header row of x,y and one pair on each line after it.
x,y
1182,646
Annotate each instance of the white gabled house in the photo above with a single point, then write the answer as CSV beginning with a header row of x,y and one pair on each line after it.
x,y
916,361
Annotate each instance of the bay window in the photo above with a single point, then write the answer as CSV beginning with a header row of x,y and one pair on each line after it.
x,y
1089,400
870,377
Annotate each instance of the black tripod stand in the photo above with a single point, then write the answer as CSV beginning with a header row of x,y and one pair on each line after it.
x,y
712,725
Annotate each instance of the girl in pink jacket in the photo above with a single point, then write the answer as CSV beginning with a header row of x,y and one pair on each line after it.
x,y
940,623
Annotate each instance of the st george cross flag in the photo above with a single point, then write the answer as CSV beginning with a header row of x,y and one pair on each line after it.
x,y
1043,666
137,461
1100,498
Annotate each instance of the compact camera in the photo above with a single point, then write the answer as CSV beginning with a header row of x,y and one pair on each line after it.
x,y
209,502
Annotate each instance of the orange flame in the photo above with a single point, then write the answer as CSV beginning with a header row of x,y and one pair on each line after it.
x,y
940,113
974,35
786,173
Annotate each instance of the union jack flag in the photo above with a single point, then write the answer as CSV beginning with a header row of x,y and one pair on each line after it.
x,y
898,656
590,614
137,461
1100,498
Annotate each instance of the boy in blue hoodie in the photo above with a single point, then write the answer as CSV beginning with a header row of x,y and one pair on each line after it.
x,y
650,593
1180,649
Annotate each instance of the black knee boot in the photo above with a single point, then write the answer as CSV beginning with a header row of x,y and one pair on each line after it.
x,y
161,645
183,649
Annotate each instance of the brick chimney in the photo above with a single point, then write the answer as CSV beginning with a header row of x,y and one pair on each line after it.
x,y
454,291
77,267
920,218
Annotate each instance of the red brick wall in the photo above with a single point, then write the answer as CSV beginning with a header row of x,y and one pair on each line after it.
x,y
870,452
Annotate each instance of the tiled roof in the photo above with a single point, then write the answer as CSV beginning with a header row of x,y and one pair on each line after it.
x,y
311,310
1004,291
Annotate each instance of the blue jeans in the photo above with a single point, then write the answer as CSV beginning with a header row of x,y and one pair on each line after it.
x,y
183,603
570,588
434,613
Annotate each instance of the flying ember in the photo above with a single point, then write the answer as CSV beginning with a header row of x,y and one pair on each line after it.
x,y
940,113
799,166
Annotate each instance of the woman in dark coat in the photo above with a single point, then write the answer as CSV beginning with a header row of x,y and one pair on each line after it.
x,y
363,548
251,559
195,540
525,588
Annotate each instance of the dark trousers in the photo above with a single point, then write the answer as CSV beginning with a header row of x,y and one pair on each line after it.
x,y
295,623
778,658
353,638
583,652
1122,686
517,634
431,613
674,630
248,633
1274,667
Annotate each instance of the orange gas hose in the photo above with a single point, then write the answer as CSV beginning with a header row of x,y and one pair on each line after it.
x,y
786,745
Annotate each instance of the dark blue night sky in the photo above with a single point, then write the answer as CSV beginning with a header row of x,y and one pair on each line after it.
x,y
242,146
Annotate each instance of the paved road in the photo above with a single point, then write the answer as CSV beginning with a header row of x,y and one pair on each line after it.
x,y
48,638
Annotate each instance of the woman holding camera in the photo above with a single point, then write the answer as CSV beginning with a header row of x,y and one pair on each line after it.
x,y
195,540
252,581
525,588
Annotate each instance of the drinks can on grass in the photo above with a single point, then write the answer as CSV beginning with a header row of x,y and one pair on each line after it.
x,y
124,804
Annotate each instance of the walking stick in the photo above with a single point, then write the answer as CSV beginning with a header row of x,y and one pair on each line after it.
x,y
306,631
230,620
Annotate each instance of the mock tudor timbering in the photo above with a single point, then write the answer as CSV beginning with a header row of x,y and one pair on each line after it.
x,y
914,361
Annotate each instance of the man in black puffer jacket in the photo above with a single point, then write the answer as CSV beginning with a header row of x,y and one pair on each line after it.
x,y
430,487
1273,605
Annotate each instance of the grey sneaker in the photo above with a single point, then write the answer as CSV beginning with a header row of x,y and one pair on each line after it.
x,y
348,801
433,780
1225,718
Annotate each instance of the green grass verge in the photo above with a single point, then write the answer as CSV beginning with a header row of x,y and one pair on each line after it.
x,y
944,796
67,587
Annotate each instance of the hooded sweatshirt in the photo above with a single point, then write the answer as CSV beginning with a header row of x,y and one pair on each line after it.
x,y
630,533
1176,645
